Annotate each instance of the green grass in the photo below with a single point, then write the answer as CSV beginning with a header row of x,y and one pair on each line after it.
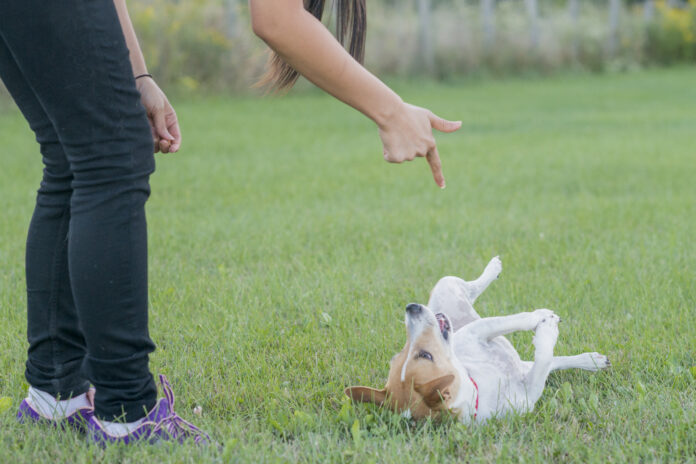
x,y
283,251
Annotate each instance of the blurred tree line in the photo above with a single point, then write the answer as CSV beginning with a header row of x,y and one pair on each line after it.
x,y
208,45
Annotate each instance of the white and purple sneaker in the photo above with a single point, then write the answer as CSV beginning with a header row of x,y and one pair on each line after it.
x,y
76,419
161,423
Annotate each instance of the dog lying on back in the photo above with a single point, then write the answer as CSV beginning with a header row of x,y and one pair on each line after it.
x,y
456,362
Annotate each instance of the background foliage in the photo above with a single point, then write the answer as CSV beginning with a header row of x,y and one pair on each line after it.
x,y
208,44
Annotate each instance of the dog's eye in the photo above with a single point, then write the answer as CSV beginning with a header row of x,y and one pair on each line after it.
x,y
424,354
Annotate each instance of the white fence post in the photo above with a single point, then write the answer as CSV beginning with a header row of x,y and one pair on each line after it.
x,y
614,10
425,37
232,18
533,17
574,12
488,23
649,10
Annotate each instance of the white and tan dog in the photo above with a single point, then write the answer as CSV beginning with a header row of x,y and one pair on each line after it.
x,y
458,363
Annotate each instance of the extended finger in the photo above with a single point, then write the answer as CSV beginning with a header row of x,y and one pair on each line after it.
x,y
433,158
443,125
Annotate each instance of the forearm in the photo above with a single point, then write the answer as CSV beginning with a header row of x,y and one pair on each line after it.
x,y
136,55
304,43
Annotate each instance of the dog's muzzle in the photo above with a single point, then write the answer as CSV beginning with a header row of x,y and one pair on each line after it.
x,y
414,309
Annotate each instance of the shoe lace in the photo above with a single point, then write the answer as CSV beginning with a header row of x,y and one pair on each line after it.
x,y
174,425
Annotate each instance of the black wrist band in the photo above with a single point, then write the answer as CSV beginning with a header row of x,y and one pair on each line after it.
x,y
143,75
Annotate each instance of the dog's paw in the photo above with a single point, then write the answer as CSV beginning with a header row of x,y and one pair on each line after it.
x,y
598,362
546,316
494,268
546,330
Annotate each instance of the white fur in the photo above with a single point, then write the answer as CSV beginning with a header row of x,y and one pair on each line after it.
x,y
480,351
415,329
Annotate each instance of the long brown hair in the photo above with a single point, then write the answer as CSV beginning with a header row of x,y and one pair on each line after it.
x,y
351,21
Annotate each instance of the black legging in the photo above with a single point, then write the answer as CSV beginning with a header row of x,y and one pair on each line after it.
x,y
66,65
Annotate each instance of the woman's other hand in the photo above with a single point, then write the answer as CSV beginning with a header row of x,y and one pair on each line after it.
x,y
163,122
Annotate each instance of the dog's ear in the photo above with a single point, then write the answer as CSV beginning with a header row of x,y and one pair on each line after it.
x,y
367,394
436,391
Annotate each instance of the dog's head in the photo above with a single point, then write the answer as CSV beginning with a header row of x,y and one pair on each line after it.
x,y
422,377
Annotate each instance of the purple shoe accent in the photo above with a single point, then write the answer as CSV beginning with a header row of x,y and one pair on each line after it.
x,y
161,423
97,433
170,426
76,421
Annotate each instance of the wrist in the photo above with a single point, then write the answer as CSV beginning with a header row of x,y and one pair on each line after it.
x,y
143,79
387,110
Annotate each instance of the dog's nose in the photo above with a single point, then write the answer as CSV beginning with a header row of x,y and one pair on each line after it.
x,y
414,308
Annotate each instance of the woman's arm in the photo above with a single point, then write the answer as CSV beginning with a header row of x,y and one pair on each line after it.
x,y
163,120
304,43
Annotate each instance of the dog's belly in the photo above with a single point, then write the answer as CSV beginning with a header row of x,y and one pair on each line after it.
x,y
498,352
498,371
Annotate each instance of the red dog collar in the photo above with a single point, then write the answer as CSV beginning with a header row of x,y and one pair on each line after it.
x,y
477,395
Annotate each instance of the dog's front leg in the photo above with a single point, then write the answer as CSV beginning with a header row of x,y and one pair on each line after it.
x,y
491,327
544,343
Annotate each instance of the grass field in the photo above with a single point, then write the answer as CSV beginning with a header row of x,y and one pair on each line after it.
x,y
283,251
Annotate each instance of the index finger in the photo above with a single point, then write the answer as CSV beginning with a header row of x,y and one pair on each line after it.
x,y
433,158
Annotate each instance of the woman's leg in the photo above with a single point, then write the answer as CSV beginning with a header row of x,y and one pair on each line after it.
x,y
56,345
73,55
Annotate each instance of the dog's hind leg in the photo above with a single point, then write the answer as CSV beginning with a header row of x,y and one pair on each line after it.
x,y
450,296
455,297
490,273
586,361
